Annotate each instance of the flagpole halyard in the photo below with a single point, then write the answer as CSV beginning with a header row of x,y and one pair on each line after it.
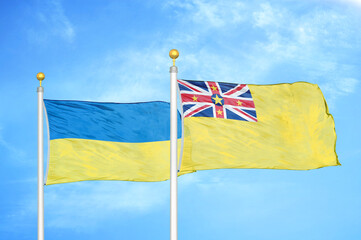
x,y
173,148
40,90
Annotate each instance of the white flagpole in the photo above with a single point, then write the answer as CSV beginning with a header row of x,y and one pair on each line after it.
x,y
173,148
40,76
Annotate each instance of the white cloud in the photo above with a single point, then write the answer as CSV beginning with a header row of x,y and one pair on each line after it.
x,y
13,151
267,16
82,206
124,75
210,13
338,87
356,3
348,85
53,22
307,41
135,75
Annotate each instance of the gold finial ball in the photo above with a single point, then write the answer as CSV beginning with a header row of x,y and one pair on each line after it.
x,y
40,76
173,53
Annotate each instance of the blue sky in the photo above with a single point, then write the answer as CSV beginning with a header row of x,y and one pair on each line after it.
x,y
118,51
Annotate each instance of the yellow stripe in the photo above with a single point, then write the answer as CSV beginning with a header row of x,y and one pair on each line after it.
x,y
73,160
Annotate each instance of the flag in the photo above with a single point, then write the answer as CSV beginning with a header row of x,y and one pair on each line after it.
x,y
108,141
282,126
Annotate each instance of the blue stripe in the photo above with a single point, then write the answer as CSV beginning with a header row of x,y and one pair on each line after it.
x,y
225,87
246,95
208,112
231,115
250,112
117,122
200,84
187,106
183,88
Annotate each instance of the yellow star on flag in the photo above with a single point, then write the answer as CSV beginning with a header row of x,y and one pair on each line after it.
x,y
239,103
214,88
219,112
195,99
218,100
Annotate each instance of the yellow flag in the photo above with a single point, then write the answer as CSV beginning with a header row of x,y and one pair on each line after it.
x,y
282,126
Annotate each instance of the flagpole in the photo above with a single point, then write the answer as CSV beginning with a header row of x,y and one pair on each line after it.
x,y
40,76
173,148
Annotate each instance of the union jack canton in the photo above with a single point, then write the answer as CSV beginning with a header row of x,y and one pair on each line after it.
x,y
218,100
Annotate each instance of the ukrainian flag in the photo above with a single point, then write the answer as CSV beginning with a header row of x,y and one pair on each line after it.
x,y
108,141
